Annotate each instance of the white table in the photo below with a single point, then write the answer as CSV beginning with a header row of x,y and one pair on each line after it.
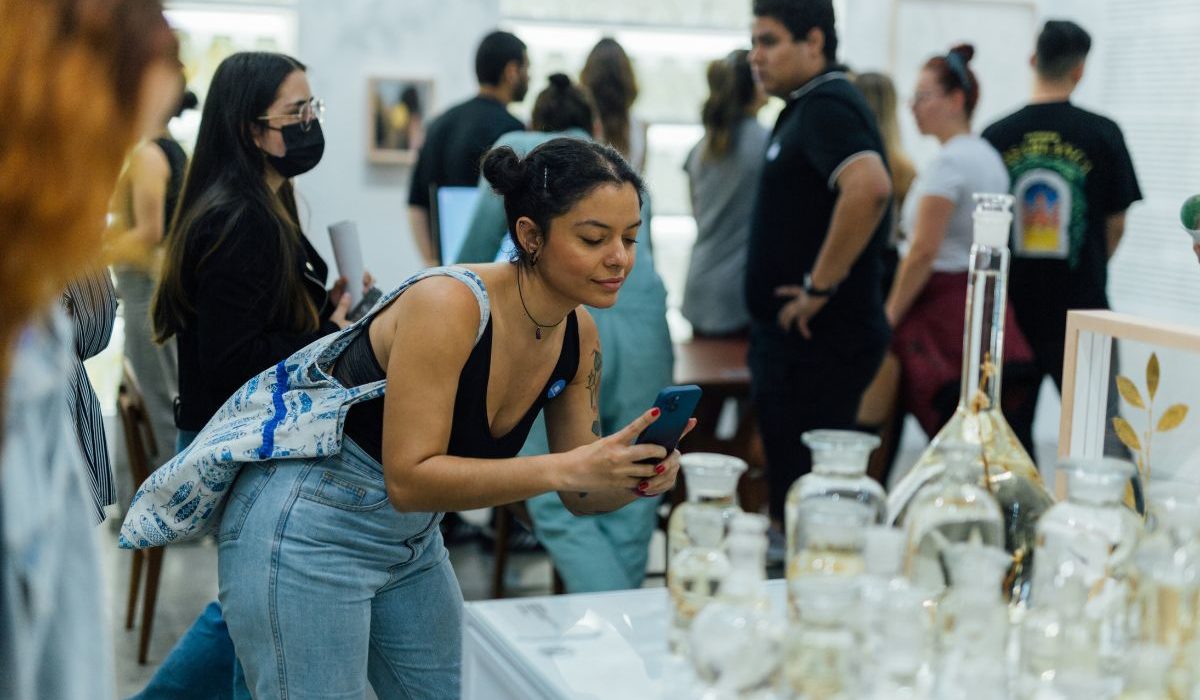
x,y
587,646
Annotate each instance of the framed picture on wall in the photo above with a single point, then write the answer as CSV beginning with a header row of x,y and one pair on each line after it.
x,y
397,112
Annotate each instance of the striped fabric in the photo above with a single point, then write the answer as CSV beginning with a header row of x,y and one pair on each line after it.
x,y
91,303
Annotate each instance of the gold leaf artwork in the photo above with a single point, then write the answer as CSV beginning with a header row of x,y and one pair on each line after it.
x,y
1172,417
1127,434
1129,392
1152,375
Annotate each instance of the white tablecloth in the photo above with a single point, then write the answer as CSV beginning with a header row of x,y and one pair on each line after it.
x,y
587,646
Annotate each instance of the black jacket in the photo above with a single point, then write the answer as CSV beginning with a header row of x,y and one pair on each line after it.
x,y
229,337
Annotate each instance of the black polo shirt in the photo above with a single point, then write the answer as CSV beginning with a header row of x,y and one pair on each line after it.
x,y
825,126
454,144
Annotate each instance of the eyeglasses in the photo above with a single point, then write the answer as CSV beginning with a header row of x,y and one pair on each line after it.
x,y
312,110
920,97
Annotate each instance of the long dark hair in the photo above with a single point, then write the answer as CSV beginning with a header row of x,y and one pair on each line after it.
x,y
226,181
608,76
730,92
551,179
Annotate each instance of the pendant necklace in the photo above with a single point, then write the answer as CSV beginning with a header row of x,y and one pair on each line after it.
x,y
537,332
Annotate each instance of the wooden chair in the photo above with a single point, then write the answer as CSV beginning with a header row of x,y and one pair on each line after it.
x,y
142,450
505,516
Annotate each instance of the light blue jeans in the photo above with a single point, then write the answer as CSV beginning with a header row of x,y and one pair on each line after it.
x,y
202,664
325,586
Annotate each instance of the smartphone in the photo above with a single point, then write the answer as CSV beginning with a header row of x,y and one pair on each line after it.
x,y
676,405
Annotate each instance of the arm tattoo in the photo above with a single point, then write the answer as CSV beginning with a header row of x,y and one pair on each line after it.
x,y
593,381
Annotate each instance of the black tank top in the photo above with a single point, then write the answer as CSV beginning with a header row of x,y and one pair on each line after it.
x,y
177,162
470,435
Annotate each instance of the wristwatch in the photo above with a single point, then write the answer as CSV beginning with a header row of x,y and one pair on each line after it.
x,y
813,291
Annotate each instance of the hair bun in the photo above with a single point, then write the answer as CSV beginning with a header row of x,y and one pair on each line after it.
x,y
965,51
503,169
560,81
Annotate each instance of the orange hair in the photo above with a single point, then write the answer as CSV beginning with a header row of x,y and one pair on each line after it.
x,y
71,94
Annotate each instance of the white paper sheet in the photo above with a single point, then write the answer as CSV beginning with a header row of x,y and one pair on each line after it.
x,y
347,254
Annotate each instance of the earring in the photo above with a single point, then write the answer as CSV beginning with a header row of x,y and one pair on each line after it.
x,y
533,257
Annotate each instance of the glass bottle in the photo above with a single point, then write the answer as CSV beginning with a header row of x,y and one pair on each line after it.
x,y
951,508
696,573
828,542
821,652
1008,472
1059,650
1146,678
1091,538
1167,609
735,640
711,481
973,624
893,622
839,471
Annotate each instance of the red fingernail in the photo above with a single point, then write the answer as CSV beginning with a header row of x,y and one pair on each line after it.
x,y
643,486
654,412
660,469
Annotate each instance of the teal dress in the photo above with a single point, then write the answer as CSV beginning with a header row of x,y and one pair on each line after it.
x,y
599,552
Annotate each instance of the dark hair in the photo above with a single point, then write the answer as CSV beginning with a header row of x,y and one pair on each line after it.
x,y
730,91
800,16
1061,46
608,75
562,106
495,52
187,100
954,73
226,181
551,179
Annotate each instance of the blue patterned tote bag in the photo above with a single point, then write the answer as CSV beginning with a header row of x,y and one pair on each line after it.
x,y
294,410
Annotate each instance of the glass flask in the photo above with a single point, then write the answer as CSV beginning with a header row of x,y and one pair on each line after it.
x,y
829,543
1091,538
696,573
1005,469
736,642
951,508
893,623
1167,609
972,625
821,652
711,481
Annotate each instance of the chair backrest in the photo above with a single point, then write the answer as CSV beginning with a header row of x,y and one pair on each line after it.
x,y
139,435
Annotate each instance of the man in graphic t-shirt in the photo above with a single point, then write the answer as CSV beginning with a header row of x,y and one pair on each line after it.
x,y
813,264
1073,179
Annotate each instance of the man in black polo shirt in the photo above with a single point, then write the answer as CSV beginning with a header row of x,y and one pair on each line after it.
x,y
1072,179
813,268
458,138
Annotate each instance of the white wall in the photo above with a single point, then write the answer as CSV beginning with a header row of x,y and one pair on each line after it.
x,y
343,43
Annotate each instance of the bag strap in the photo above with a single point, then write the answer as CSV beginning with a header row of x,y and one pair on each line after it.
x,y
371,390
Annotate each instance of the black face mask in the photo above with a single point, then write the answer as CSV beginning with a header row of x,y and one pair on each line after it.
x,y
304,150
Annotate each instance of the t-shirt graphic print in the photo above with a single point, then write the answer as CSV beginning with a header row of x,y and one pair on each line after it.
x,y
1050,217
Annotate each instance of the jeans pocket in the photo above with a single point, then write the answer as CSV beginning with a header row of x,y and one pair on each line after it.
x,y
344,490
249,484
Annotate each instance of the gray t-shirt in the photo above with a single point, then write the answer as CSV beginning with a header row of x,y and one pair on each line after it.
x,y
966,164
723,192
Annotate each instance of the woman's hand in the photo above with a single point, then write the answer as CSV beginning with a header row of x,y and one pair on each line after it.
x,y
341,311
611,463
665,474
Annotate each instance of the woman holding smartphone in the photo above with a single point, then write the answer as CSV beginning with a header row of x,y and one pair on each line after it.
x,y
333,572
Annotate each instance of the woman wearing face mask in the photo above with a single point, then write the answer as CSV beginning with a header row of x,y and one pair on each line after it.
x,y
242,288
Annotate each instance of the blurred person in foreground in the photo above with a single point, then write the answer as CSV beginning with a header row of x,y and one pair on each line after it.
x,y
85,79
813,270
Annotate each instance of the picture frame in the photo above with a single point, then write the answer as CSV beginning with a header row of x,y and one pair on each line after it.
x,y
398,111
1084,424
